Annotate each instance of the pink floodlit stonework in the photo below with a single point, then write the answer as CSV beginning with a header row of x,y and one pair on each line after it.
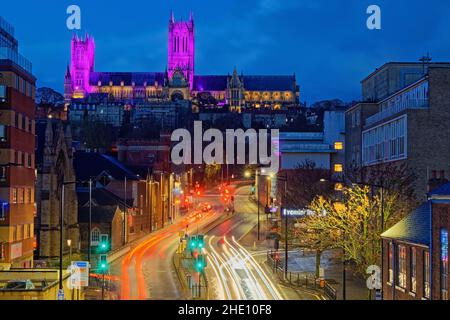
x,y
82,63
182,48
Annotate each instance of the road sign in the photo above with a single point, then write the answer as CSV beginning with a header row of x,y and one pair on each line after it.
x,y
378,295
82,267
60,294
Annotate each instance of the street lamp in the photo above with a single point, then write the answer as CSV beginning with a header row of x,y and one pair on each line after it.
x,y
69,244
61,231
286,253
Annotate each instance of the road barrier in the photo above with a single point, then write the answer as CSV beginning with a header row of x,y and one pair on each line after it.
x,y
191,289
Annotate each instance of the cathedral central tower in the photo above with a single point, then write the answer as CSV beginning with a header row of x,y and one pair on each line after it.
x,y
182,48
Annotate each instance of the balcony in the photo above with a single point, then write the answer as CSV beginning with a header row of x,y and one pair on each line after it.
x,y
397,108
12,55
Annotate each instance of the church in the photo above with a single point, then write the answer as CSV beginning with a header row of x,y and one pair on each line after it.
x,y
237,92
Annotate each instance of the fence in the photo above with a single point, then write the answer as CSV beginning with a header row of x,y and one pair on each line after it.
x,y
192,289
300,279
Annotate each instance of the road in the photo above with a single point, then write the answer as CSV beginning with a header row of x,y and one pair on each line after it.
x,y
233,272
147,271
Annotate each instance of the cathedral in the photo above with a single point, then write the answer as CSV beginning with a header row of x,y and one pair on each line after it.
x,y
179,81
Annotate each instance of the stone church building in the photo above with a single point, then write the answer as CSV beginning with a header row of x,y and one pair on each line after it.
x,y
54,164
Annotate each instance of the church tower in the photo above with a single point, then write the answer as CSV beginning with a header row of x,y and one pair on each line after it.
x,y
181,55
81,64
68,86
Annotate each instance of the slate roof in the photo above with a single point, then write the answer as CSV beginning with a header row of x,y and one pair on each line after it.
x,y
101,197
443,190
127,77
415,228
91,164
251,83
103,214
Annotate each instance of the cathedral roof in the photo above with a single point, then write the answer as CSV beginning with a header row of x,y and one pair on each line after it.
x,y
251,83
139,78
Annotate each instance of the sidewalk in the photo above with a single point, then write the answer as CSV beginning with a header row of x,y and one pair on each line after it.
x,y
305,262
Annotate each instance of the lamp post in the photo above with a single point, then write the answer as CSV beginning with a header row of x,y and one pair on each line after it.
x,y
61,231
90,221
258,177
286,252
69,244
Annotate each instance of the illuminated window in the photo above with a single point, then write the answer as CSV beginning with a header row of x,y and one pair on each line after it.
x,y
444,264
338,187
338,145
426,275
401,266
338,168
413,273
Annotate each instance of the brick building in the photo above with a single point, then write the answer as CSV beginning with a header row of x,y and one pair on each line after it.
x,y
415,259
17,145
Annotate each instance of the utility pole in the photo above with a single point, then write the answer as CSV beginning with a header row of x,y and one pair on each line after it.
x,y
258,178
90,219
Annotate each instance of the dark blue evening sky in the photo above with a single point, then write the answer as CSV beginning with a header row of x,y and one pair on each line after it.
x,y
326,43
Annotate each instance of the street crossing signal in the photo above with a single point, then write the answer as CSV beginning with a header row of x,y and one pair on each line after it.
x,y
103,263
104,246
200,263
200,241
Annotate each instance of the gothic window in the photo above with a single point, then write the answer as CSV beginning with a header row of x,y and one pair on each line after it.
x,y
95,236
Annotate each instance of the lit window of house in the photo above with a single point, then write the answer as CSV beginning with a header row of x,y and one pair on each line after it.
x,y
413,273
401,266
426,275
338,145
338,168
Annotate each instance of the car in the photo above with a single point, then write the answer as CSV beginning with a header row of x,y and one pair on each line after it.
x,y
206,207
19,285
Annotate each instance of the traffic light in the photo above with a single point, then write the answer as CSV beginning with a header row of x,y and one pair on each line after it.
x,y
103,246
193,243
200,263
200,241
103,263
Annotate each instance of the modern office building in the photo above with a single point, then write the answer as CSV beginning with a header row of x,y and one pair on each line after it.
x,y
17,147
408,124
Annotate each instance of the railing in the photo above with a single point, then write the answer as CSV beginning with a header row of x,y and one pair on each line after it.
x,y
397,108
10,54
301,279
6,26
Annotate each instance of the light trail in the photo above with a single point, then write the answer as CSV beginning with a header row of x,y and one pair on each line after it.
x,y
238,274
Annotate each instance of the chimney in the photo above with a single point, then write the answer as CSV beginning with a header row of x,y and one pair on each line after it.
x,y
436,182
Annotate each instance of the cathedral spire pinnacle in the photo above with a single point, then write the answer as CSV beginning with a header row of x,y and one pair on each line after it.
x,y
191,16
172,16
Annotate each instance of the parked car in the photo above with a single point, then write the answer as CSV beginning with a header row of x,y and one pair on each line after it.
x,y
19,285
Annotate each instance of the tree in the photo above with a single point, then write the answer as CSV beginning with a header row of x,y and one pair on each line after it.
x,y
304,184
353,223
212,172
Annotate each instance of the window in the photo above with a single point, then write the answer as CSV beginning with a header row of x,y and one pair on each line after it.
x,y
401,266
3,209
444,264
21,193
413,274
2,133
2,93
338,168
24,123
14,195
95,236
426,274
391,256
338,145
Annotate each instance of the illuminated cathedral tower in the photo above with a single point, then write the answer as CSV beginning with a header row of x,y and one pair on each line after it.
x,y
182,48
81,64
